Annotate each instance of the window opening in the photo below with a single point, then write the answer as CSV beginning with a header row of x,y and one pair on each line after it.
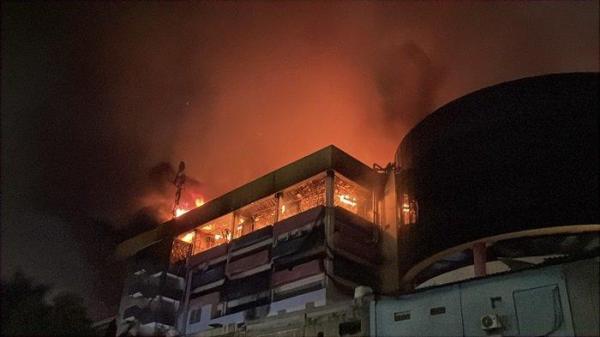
x,y
301,197
353,197
196,316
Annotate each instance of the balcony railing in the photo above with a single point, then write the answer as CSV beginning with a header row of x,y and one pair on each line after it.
x,y
180,251
162,316
149,287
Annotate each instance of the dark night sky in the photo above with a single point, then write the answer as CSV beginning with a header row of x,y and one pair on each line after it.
x,y
95,94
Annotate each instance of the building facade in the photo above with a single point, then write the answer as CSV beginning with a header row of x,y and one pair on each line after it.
x,y
306,234
498,181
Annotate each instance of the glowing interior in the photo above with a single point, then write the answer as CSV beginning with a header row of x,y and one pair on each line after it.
x,y
295,199
302,197
353,197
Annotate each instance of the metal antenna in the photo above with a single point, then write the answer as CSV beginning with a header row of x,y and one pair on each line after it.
x,y
178,182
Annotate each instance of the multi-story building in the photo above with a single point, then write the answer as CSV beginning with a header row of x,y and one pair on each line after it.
x,y
309,232
496,181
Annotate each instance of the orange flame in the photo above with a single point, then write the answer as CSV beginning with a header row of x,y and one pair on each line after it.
x,y
188,237
180,211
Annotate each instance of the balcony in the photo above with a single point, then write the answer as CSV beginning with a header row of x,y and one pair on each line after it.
x,y
180,251
160,310
163,317
132,312
144,287
209,278
211,256
356,238
301,246
161,283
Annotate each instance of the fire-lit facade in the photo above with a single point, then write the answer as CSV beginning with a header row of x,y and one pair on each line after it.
x,y
304,235
277,256
291,201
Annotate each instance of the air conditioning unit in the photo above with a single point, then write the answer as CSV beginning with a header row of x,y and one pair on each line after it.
x,y
490,322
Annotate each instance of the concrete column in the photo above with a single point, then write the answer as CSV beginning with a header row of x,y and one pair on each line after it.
x,y
479,259
329,204
389,271
329,188
278,205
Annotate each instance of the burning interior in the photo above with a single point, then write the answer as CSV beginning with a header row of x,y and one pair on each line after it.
x,y
293,200
308,232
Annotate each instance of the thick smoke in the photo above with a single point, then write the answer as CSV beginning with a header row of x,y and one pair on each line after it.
x,y
407,81
156,200
95,95
268,84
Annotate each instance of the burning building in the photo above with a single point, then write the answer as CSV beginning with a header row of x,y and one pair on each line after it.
x,y
309,232
501,180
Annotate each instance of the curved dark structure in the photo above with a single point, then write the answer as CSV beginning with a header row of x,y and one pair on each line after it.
x,y
516,157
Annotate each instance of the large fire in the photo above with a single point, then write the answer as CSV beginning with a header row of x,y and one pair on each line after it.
x,y
182,210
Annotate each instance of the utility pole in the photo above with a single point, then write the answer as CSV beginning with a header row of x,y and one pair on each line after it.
x,y
179,181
